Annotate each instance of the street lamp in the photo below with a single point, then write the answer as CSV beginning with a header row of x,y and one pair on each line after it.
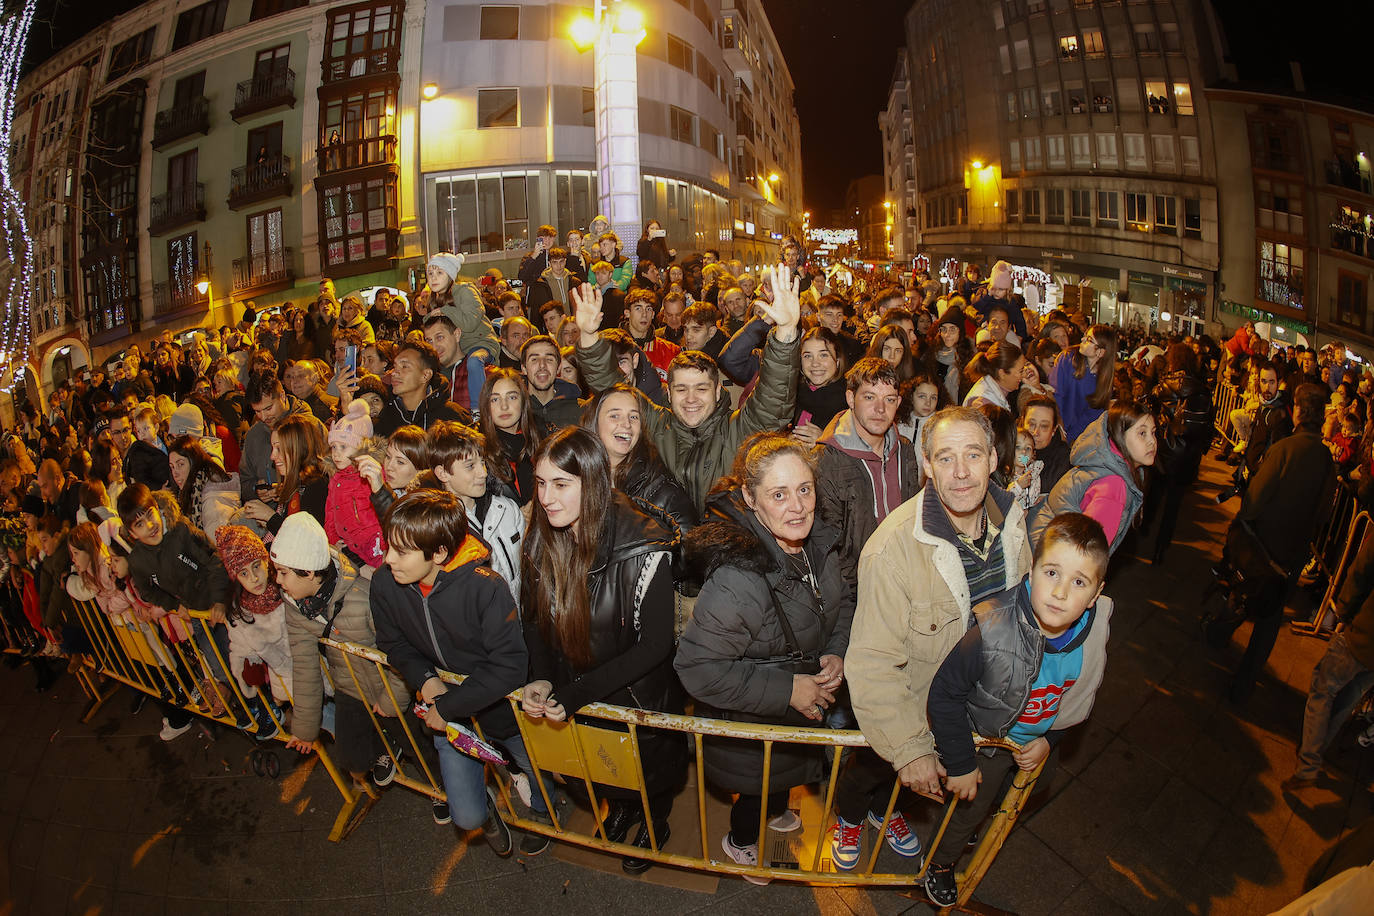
x,y
203,275
430,92
613,30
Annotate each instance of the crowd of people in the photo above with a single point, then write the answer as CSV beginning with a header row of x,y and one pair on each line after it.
x,y
677,486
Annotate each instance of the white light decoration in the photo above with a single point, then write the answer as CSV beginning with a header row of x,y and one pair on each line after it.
x,y
15,331
834,236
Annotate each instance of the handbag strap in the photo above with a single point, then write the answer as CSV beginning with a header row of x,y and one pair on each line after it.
x,y
789,637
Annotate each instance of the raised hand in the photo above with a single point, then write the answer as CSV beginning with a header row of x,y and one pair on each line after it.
x,y
785,309
587,305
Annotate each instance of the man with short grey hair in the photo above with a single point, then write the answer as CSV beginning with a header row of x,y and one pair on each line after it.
x,y
958,541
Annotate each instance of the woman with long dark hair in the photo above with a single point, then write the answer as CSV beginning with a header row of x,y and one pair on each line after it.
x,y
995,375
950,351
598,611
1107,481
891,343
511,437
206,494
820,384
298,450
616,417
1083,379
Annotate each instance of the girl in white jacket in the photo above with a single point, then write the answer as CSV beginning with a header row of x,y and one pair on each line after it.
x,y
259,652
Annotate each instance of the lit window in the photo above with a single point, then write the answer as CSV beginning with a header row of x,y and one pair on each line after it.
x,y
1183,98
1068,47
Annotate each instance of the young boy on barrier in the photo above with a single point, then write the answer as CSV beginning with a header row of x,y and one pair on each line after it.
x,y
1026,670
437,605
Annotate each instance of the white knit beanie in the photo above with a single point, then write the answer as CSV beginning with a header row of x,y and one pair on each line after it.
x,y
448,262
186,420
301,544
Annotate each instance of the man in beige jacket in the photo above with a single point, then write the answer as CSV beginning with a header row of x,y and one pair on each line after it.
x,y
958,541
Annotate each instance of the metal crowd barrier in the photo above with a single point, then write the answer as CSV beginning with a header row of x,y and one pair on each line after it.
x,y
600,747
1225,399
194,674
1334,556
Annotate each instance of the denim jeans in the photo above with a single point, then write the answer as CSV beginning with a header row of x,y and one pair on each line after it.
x,y
465,781
1338,683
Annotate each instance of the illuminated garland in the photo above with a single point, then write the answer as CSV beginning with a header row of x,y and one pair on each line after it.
x,y
15,332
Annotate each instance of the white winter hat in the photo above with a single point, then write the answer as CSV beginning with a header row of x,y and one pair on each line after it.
x,y
186,420
301,544
448,262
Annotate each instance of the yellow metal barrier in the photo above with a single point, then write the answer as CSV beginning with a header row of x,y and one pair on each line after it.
x,y
1226,398
194,673
600,747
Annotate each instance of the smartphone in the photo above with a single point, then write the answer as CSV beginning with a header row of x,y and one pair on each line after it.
x,y
804,418
351,359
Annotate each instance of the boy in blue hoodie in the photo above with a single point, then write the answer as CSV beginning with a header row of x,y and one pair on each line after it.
x,y
437,605
1026,670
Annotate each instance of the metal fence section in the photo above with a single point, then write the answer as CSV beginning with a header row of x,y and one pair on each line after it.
x,y
1226,399
599,747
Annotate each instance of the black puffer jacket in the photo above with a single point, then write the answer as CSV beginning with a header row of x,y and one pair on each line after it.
x,y
1184,424
650,482
734,626
631,606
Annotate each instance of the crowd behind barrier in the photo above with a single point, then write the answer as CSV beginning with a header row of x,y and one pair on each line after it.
x,y
175,506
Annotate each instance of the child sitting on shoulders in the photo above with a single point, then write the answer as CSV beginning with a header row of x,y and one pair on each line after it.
x,y
349,517
1026,670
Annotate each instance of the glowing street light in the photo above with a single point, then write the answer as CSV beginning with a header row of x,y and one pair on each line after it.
x,y
977,165
430,92
774,178
613,31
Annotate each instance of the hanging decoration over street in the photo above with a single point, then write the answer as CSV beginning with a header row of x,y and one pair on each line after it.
x,y
15,281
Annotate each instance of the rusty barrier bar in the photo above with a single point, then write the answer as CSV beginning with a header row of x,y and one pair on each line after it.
x,y
600,747
194,674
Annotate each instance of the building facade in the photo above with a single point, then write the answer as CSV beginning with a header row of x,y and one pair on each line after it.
x,y
899,163
867,209
1072,138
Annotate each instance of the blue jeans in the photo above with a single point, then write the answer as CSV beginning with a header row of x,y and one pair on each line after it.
x,y
465,781
1339,683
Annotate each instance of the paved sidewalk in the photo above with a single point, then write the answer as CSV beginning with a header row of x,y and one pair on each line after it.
x,y
1166,802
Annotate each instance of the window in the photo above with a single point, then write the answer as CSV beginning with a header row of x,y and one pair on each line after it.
x,y
680,125
1081,213
1028,109
1137,210
1077,98
266,261
1033,161
1164,152
200,22
1011,106
188,90
1023,55
680,53
1183,98
264,8
1014,156
588,108
1013,204
182,258
1051,102
1054,152
359,222
362,40
1068,47
1107,212
1274,145
1081,149
1169,33
1192,218
1093,46
272,62
1127,95
1054,206
131,54
1106,151
1135,150
1005,54
498,108
1281,274
1166,215
500,23
359,116
1157,96
1101,91
1280,205
1145,37
1190,157
1031,200
1351,295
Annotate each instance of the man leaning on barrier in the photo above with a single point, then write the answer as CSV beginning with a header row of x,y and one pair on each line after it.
x,y
959,541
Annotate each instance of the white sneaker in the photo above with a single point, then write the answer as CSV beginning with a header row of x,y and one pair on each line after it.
x,y
169,733
744,855
521,782
786,822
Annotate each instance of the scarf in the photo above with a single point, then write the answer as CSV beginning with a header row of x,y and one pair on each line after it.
x,y
259,605
317,605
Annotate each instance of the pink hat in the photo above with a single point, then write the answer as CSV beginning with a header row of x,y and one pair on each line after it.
x,y
353,427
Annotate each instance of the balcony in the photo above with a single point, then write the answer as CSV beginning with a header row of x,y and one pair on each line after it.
x,y
181,121
249,184
169,298
1353,239
1346,174
55,316
177,208
264,273
263,93
385,62
343,155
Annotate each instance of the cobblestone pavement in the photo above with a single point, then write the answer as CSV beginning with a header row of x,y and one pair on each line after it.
x,y
1166,801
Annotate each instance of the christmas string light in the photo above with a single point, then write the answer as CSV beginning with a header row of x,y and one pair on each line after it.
x,y
15,330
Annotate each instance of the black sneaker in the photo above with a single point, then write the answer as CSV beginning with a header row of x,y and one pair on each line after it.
x,y
532,844
384,770
495,829
634,866
440,811
940,886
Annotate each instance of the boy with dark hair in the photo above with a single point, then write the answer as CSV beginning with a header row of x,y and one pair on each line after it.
x,y
438,606
1026,670
457,456
420,393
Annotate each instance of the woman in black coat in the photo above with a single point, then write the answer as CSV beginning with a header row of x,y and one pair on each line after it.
x,y
597,601
653,246
1184,431
763,554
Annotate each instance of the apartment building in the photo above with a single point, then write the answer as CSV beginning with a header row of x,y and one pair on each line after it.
x,y
899,165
